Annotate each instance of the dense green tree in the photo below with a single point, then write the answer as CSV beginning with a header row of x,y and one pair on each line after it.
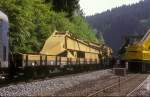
x,y
68,6
19,21
123,21
33,21
28,20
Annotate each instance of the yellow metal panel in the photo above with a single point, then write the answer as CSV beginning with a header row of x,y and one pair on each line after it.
x,y
70,55
33,57
146,55
51,57
53,45
64,59
43,57
132,56
58,43
74,59
82,61
91,56
143,55
24,56
79,46
145,42
139,50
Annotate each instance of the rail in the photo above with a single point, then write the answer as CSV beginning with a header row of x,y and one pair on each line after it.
x,y
130,93
111,86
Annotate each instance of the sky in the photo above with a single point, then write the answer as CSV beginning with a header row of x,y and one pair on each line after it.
x,y
91,7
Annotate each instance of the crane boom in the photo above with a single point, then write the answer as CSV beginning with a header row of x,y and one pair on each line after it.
x,y
146,40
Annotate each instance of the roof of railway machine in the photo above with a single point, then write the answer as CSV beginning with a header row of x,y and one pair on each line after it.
x,y
60,42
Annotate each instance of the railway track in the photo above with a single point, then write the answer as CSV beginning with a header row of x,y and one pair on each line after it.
x,y
119,88
85,88
137,88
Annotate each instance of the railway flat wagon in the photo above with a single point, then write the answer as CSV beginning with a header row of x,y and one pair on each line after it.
x,y
61,52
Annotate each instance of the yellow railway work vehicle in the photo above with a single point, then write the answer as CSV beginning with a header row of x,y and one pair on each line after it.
x,y
138,55
64,45
62,51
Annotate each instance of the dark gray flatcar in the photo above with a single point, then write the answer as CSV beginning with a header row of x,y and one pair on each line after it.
x,y
3,42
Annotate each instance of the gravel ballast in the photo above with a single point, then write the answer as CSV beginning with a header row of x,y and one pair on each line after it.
x,y
143,90
49,87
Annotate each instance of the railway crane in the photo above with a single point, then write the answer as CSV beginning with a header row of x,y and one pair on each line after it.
x,y
137,54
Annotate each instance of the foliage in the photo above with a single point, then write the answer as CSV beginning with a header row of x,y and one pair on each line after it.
x,y
33,21
83,30
68,6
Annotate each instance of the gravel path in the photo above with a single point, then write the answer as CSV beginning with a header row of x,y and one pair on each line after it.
x,y
49,87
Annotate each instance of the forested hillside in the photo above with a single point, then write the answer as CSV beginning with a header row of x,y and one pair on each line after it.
x,y
33,21
123,21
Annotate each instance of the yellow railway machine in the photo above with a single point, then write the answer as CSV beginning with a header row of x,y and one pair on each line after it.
x,y
61,49
64,45
138,55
